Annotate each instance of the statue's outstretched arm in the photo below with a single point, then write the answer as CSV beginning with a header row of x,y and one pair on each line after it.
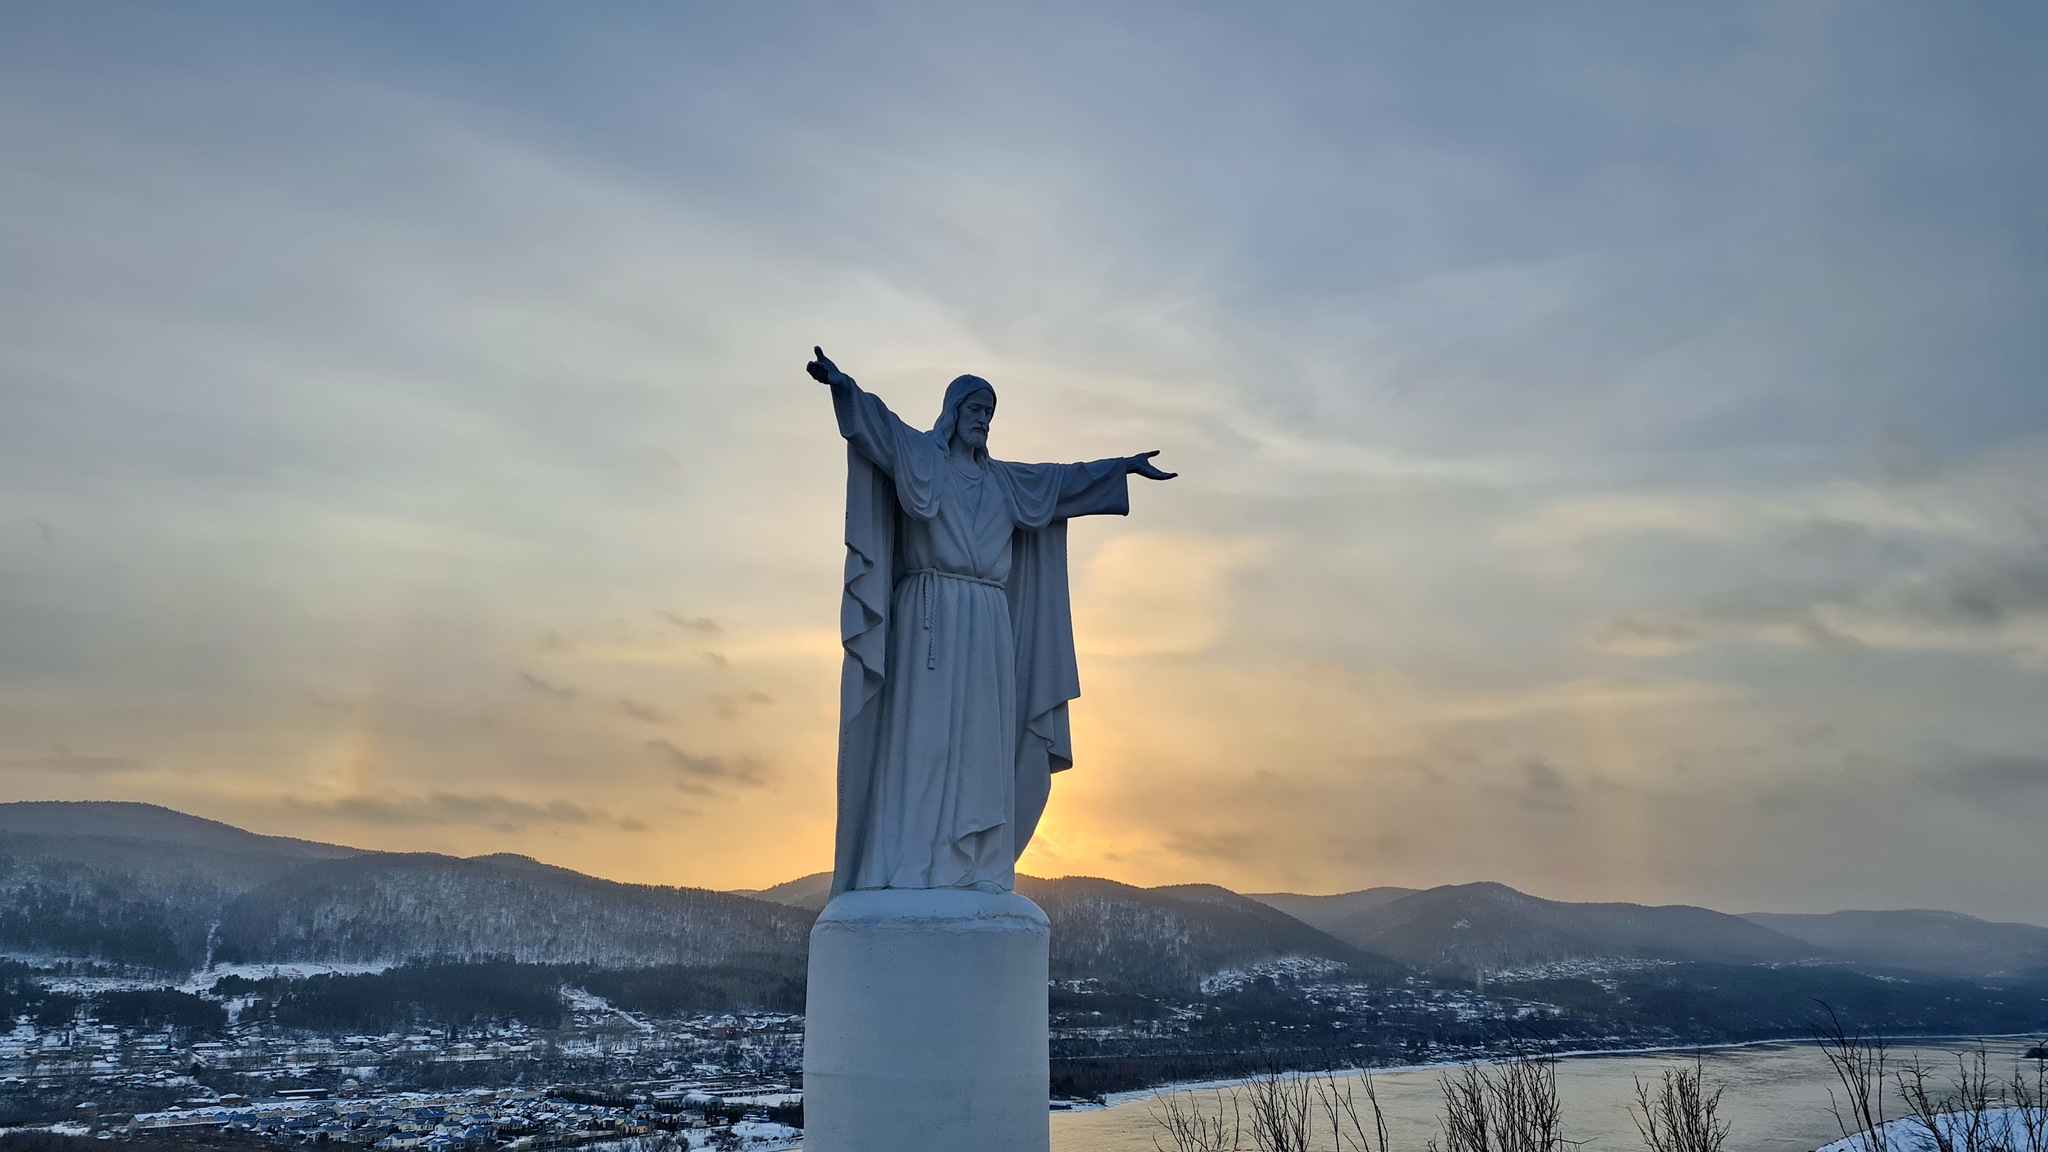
x,y
866,422
1092,487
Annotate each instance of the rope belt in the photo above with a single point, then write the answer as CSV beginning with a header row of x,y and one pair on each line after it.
x,y
926,577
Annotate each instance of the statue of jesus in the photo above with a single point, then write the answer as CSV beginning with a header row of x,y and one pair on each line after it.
x,y
959,642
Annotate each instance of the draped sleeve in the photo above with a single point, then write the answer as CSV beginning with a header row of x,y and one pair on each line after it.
x,y
909,458
1044,493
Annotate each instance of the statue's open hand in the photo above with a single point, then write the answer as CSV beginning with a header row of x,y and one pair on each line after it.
x,y
824,371
1141,464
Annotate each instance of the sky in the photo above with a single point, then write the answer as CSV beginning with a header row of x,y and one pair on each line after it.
x,y
1613,437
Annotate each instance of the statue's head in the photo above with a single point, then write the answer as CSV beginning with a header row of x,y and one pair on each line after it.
x,y
969,407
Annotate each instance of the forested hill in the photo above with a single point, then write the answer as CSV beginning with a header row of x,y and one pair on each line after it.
x,y
381,906
131,884
143,887
148,888
139,886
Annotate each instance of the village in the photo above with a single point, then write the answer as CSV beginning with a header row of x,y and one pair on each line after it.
x,y
714,1081
714,1112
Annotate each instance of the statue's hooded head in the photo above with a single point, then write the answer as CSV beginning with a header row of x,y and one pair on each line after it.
x,y
969,406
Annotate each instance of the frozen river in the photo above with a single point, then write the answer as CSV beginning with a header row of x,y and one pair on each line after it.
x,y
1777,1099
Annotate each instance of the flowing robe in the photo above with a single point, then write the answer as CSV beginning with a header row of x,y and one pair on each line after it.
x,y
959,648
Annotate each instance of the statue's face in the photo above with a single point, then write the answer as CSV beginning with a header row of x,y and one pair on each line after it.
x,y
975,413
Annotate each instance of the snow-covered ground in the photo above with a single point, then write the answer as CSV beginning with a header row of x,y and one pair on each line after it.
x,y
765,1135
58,980
295,970
1295,968
1578,969
2012,1129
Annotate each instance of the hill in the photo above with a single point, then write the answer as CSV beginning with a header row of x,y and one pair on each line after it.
x,y
1128,936
1173,937
147,887
402,906
130,884
153,823
1493,926
1326,912
1920,940
806,892
140,886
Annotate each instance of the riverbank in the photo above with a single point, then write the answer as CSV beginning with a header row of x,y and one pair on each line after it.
x,y
1777,1095
1116,1099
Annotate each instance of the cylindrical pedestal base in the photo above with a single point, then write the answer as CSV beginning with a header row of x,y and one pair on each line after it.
x,y
925,1030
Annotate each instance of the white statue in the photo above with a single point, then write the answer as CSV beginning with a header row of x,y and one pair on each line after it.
x,y
959,642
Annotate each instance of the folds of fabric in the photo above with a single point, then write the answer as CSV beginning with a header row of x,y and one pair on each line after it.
x,y
942,787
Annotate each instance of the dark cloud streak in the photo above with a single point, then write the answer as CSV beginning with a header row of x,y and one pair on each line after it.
x,y
65,761
705,774
440,808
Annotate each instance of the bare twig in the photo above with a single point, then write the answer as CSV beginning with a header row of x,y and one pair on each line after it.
x,y
1190,1127
1860,1062
1340,1107
1680,1114
1281,1107
1510,1107
2030,1105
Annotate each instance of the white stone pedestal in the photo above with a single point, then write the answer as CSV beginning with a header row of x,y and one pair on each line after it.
x,y
925,1029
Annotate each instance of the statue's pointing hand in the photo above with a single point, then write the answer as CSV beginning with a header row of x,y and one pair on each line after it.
x,y
1142,465
824,371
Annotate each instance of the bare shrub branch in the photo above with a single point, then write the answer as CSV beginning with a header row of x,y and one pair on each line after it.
x,y
1860,1062
1190,1127
1510,1107
1680,1114
1281,1107
1277,1112
2030,1104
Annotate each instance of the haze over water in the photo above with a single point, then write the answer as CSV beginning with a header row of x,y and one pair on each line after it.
x,y
1776,1101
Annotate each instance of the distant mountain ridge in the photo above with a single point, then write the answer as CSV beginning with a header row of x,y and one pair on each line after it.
x,y
139,885
1148,937
383,905
129,883
1174,936
1326,912
122,819
807,892
1920,940
1488,925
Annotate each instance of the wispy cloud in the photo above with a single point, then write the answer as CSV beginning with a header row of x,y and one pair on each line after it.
x,y
706,774
558,691
646,713
500,813
1999,783
64,760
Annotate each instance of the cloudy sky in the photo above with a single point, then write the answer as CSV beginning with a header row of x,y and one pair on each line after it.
x,y
1614,437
